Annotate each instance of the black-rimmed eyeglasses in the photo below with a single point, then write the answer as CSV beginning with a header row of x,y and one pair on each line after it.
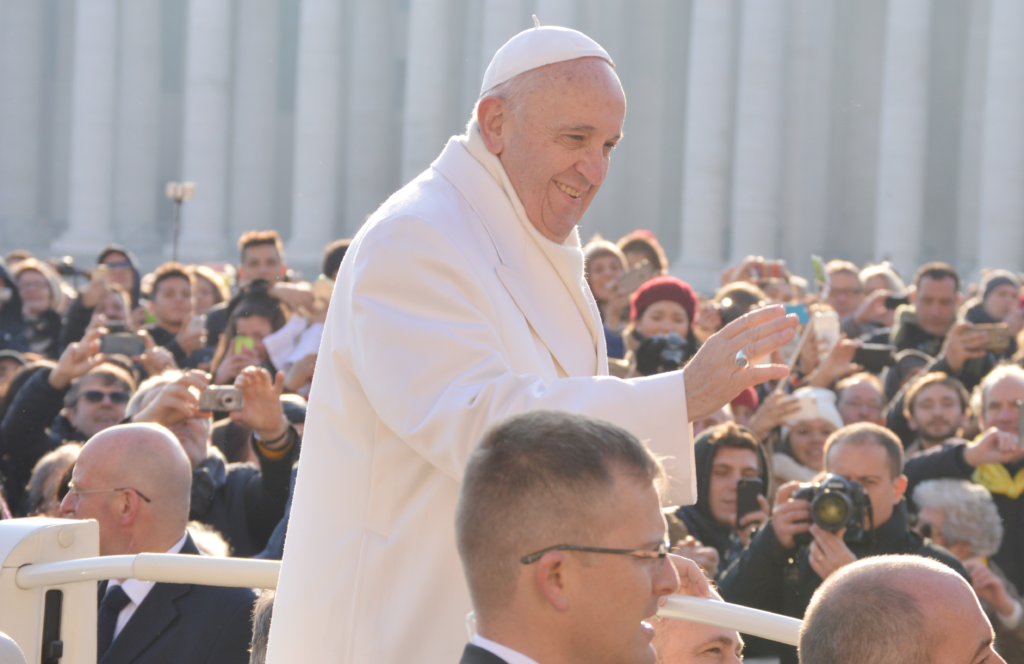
x,y
661,553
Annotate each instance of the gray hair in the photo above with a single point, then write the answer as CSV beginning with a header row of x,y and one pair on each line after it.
x,y
140,399
980,393
971,515
884,270
862,614
41,485
262,614
536,480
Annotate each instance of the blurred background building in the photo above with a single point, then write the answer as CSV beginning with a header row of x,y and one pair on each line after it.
x,y
860,129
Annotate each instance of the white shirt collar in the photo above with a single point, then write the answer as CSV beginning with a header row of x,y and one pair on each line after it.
x,y
504,652
136,589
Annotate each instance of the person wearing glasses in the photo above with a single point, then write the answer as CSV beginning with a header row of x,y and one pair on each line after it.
x,y
135,481
563,543
76,399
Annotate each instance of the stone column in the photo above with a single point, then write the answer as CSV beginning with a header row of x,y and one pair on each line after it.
x,y
20,95
904,132
1001,208
251,204
136,185
205,153
425,115
757,162
317,129
90,197
372,137
805,172
707,144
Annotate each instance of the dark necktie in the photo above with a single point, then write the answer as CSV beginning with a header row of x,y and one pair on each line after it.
x,y
106,620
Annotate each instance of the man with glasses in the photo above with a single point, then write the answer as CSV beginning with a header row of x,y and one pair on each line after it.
x,y
563,543
76,399
861,398
135,481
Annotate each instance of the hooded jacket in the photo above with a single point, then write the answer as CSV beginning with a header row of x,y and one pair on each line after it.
x,y
78,317
699,520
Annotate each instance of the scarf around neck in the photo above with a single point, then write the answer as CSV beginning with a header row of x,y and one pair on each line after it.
x,y
566,258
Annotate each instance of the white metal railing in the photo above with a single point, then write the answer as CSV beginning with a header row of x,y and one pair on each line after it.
x,y
158,567
248,573
733,616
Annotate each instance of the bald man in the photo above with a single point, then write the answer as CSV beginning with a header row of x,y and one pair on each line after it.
x,y
135,480
896,610
684,642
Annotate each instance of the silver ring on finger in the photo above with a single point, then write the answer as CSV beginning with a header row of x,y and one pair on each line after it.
x,y
741,359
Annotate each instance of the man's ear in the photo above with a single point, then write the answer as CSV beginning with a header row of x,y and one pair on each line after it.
x,y
492,115
127,506
550,579
912,423
899,487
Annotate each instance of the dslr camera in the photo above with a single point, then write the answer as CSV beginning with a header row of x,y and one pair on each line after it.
x,y
836,503
661,353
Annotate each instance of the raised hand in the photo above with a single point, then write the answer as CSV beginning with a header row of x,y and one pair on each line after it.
x,y
78,359
712,377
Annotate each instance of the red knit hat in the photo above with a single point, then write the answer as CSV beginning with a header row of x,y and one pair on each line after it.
x,y
663,288
747,397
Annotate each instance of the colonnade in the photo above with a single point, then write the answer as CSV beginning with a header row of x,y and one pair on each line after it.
x,y
778,127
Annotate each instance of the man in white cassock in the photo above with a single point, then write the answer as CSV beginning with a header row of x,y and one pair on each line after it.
x,y
461,301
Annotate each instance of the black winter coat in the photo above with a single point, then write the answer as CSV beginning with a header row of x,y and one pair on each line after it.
x,y
32,427
243,502
769,577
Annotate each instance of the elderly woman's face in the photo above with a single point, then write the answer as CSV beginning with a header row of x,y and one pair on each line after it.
x,y
602,271
560,142
35,291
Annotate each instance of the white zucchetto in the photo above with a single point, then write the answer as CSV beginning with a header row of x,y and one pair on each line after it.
x,y
536,47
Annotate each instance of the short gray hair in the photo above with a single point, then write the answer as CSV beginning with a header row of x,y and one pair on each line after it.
x,y
139,400
262,614
971,515
1001,372
860,614
536,480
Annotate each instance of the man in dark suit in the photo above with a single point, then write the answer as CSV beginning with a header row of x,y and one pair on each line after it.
x,y
563,543
135,481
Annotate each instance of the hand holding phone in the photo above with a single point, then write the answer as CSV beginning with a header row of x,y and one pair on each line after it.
x,y
747,491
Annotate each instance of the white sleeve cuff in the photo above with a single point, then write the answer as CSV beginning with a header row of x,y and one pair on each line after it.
x,y
1013,620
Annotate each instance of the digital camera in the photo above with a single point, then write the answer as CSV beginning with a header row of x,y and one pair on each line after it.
x,y
220,398
836,503
661,353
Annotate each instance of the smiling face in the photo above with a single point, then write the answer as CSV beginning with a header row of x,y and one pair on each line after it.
x,y
807,441
664,317
936,413
602,271
556,145
35,292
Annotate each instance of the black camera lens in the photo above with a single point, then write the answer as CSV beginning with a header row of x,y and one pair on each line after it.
x,y
831,510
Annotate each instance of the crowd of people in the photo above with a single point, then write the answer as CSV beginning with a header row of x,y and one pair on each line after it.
x,y
220,356
926,437
914,396
857,461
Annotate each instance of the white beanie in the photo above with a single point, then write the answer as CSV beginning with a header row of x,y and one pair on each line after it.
x,y
826,406
536,47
